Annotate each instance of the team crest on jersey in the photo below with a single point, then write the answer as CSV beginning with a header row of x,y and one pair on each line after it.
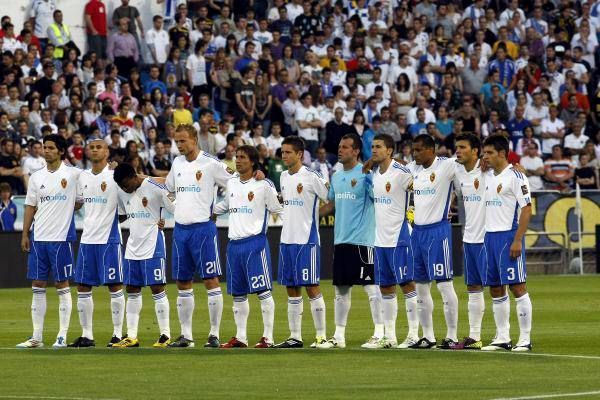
x,y
432,177
145,202
499,188
353,182
103,186
198,175
476,183
388,187
299,188
63,183
250,196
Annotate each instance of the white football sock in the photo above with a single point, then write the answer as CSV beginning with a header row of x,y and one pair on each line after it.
x,y
501,308
161,308
117,308
267,306
412,316
295,309
65,305
38,312
133,309
85,308
241,310
374,294
185,311
390,313
524,311
341,309
215,309
476,306
317,309
425,310
450,301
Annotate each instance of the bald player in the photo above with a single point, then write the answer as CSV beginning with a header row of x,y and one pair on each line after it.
x,y
99,261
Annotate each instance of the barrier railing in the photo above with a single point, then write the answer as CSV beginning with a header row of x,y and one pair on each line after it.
x,y
546,256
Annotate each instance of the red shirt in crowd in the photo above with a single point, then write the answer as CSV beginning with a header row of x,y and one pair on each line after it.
x,y
97,12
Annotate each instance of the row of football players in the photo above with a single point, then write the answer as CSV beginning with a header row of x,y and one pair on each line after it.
x,y
359,200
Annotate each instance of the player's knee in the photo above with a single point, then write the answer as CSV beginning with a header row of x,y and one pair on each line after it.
x,y
313,291
156,289
390,289
408,287
84,288
210,283
518,290
497,291
133,289
184,285
61,284
474,288
39,284
115,288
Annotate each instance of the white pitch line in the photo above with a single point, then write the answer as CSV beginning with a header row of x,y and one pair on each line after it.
x,y
550,396
513,354
50,398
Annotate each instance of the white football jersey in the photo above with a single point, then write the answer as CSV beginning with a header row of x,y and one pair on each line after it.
x,y
301,193
505,195
432,188
470,187
248,204
143,209
100,197
390,194
193,183
54,195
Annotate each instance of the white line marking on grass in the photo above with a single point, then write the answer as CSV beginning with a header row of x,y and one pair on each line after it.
x,y
513,354
550,396
50,398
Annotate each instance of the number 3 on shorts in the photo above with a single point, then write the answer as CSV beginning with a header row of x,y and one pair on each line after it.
x,y
511,273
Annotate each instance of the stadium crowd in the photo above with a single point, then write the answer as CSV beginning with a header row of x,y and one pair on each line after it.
x,y
254,72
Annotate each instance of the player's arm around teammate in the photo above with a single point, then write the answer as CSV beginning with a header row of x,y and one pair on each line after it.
x,y
50,201
142,201
249,203
299,251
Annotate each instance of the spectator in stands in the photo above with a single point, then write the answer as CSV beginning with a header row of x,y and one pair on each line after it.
x,y
96,29
575,142
123,49
553,131
8,209
10,169
585,175
533,165
559,170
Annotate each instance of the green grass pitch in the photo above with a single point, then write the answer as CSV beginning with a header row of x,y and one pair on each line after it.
x,y
566,322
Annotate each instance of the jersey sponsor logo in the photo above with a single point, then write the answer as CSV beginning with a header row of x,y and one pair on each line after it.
x,y
476,183
139,215
299,188
55,197
198,175
493,203
145,202
240,210
250,196
189,188
63,183
471,198
103,186
382,200
388,187
293,202
432,177
353,182
95,200
425,192
499,188
345,196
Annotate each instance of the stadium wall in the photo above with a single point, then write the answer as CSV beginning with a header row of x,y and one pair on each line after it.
x,y
13,264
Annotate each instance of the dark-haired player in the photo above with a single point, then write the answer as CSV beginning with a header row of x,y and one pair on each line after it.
x,y
49,206
141,203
